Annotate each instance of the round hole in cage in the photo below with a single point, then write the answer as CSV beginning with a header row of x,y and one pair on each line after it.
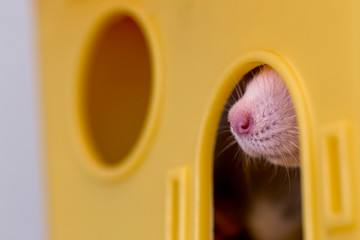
x,y
117,89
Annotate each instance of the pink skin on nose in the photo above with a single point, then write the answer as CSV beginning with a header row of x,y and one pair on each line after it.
x,y
240,121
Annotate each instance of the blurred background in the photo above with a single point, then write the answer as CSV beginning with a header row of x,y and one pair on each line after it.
x,y
22,209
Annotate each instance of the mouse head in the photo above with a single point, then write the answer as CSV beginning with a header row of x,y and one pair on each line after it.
x,y
263,120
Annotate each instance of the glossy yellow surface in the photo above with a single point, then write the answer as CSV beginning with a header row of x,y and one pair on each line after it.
x,y
129,137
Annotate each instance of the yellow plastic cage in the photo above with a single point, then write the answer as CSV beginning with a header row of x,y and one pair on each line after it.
x,y
133,91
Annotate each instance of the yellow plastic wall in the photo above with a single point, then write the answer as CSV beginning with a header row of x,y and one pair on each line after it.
x,y
131,114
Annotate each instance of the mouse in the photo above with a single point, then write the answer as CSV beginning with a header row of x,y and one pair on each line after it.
x,y
256,171
263,120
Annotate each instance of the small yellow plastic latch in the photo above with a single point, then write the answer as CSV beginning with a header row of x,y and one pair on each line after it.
x,y
337,184
177,204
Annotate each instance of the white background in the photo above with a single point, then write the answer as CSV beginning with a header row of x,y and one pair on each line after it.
x,y
22,210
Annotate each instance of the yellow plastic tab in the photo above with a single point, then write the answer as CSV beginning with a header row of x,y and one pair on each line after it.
x,y
337,181
178,197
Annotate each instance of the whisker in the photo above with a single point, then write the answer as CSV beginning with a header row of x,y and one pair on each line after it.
x,y
229,145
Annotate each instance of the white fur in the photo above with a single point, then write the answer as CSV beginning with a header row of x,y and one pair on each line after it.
x,y
273,132
266,222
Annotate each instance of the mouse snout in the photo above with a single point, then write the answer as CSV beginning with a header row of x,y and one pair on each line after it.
x,y
240,121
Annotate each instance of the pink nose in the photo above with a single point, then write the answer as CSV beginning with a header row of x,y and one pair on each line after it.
x,y
241,122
